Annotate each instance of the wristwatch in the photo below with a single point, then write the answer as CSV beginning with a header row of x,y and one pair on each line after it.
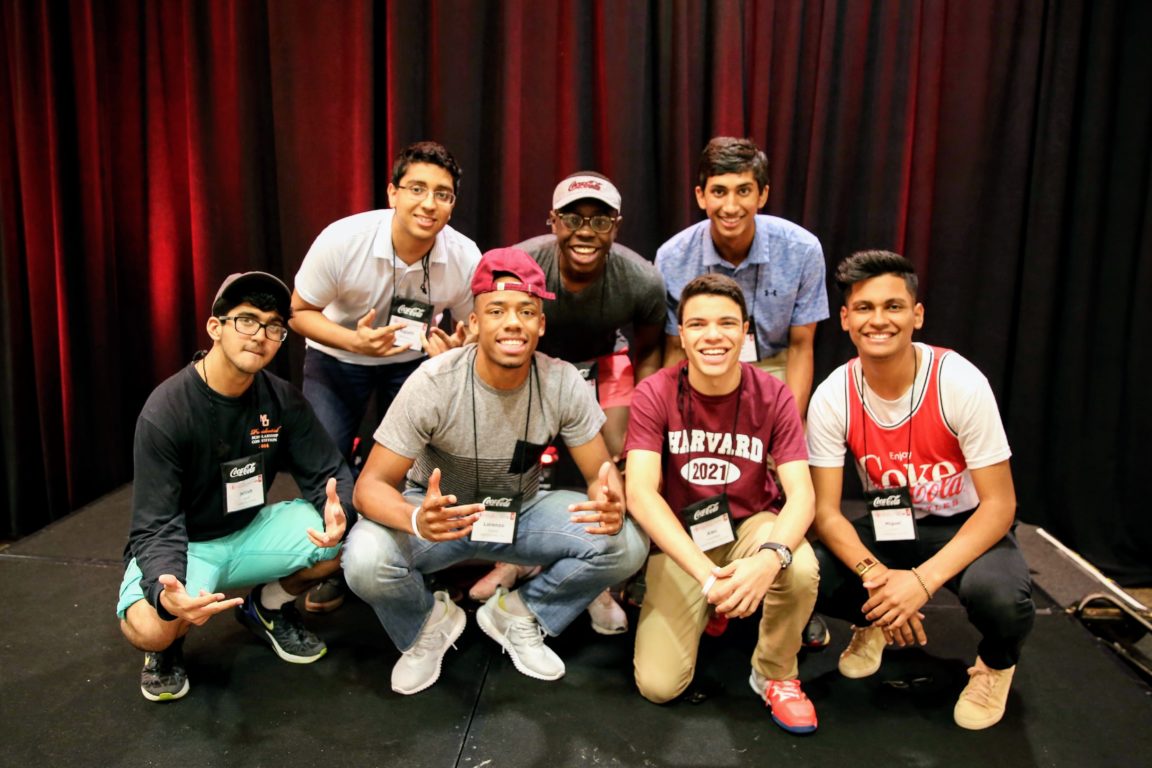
x,y
781,551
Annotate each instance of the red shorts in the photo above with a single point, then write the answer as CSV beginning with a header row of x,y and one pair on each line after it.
x,y
615,380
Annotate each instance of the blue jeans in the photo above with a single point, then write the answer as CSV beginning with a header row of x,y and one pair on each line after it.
x,y
995,589
339,393
385,567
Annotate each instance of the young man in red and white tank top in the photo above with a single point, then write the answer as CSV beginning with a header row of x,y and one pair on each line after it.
x,y
926,438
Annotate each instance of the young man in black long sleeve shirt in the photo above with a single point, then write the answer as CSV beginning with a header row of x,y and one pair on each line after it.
x,y
209,443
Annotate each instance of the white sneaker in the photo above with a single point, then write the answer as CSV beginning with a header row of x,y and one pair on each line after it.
x,y
521,637
419,666
608,618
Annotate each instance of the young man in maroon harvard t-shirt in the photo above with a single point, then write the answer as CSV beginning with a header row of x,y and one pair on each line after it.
x,y
697,482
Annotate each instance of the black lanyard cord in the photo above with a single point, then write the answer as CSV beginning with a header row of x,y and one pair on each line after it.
x,y
911,407
475,430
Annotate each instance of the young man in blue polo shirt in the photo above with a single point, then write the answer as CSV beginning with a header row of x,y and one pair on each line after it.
x,y
778,265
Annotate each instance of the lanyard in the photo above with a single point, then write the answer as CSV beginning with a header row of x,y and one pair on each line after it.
x,y
222,447
684,405
911,406
425,280
475,431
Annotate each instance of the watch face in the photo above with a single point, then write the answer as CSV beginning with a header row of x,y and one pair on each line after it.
x,y
781,551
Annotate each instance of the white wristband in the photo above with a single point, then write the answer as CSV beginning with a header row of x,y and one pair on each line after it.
x,y
708,583
415,527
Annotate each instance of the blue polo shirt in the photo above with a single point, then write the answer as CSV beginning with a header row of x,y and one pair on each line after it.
x,y
782,277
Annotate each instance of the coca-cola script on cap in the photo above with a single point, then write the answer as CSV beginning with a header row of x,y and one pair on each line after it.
x,y
582,186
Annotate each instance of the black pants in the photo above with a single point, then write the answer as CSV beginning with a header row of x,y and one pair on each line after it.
x,y
995,589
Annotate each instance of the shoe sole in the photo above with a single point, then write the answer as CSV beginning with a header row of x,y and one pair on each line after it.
x,y
977,725
860,675
608,631
490,630
258,628
790,728
453,636
166,696
857,675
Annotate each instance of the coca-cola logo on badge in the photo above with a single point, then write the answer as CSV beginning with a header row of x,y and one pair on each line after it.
x,y
247,469
887,501
409,311
500,502
705,511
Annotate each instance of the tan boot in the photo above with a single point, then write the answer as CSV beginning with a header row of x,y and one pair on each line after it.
x,y
981,703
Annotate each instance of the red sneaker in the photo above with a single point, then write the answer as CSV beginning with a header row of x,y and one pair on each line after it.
x,y
791,709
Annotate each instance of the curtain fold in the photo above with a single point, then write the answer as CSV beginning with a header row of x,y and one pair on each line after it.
x,y
148,149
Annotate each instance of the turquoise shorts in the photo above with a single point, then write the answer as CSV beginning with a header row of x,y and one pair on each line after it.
x,y
275,544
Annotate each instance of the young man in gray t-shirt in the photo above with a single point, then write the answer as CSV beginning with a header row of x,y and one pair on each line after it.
x,y
454,476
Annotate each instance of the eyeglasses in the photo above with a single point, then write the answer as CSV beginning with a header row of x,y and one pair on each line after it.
x,y
419,192
599,223
250,325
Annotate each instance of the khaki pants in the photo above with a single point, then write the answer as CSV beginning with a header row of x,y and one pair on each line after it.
x,y
675,613
774,365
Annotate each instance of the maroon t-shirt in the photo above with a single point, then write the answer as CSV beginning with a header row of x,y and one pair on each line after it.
x,y
704,438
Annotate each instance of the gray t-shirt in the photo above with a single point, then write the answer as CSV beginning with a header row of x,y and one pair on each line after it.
x,y
433,422
582,326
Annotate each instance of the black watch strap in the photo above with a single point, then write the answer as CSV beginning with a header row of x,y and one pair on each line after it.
x,y
782,551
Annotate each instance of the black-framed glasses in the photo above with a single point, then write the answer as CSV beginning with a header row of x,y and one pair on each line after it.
x,y
600,223
249,325
420,191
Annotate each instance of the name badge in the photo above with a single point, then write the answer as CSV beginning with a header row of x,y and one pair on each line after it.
x,y
497,523
243,483
891,509
709,522
416,315
589,371
748,350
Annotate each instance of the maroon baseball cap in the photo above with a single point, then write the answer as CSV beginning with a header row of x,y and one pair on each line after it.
x,y
526,275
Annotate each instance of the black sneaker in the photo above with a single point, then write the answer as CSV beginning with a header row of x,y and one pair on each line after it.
x,y
816,635
326,596
164,677
281,629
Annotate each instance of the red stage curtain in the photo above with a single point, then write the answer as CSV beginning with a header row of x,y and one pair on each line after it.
x,y
150,148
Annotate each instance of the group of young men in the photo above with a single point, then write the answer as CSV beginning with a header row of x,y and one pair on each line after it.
x,y
573,337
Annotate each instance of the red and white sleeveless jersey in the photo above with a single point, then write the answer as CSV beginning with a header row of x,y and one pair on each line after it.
x,y
925,454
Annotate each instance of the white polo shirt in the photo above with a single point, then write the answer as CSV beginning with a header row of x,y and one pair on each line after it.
x,y
352,267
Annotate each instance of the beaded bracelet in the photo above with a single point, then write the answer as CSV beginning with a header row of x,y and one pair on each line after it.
x,y
920,579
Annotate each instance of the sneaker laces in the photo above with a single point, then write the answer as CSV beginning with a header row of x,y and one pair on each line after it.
x,y
430,641
525,631
859,645
980,685
783,690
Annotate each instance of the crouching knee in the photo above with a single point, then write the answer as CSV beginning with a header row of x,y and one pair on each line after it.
x,y
372,560
658,686
627,551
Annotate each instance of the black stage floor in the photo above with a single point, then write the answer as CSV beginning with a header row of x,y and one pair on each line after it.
x,y
69,691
